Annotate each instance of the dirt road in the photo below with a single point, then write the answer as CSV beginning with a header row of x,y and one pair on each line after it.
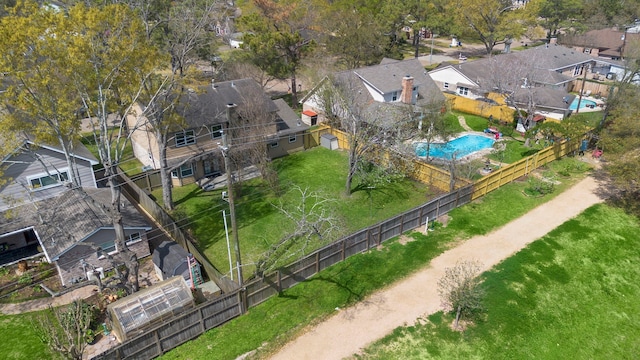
x,y
351,329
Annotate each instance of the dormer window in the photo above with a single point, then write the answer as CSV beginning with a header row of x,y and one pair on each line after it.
x,y
394,96
45,181
185,138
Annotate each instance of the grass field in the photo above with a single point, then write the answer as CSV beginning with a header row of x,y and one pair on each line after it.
x,y
279,318
19,341
571,295
261,224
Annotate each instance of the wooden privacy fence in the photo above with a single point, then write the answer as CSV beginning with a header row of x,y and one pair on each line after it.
x,y
523,167
480,108
167,223
192,323
416,169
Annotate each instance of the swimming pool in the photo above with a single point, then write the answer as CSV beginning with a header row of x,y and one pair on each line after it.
x,y
583,104
461,146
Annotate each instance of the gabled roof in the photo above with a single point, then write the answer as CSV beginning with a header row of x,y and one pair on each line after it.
x,y
65,220
79,150
208,104
387,77
545,97
608,41
553,57
288,122
542,65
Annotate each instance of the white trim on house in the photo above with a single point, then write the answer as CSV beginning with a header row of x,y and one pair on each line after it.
x,y
56,175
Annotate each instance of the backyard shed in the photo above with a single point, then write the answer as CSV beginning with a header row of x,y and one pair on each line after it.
x,y
329,141
169,260
132,315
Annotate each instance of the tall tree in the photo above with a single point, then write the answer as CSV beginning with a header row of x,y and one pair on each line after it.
x,y
274,36
112,59
94,59
492,21
37,78
556,14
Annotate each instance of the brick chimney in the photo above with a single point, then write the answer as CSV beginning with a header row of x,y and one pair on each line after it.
x,y
407,90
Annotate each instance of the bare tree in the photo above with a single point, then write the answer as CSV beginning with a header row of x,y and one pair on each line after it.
x,y
368,127
310,220
188,30
253,124
460,289
65,329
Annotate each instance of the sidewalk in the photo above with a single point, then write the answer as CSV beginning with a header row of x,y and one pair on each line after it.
x,y
41,304
352,329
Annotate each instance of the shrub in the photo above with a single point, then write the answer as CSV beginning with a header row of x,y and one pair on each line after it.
x,y
539,187
25,279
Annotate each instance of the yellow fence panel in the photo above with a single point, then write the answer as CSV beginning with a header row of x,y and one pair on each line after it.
x,y
480,108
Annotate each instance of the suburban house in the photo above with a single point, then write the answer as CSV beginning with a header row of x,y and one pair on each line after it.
x,y
381,88
68,230
290,130
603,43
607,46
543,74
36,172
194,150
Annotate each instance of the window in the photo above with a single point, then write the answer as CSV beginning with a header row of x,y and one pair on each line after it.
x,y
108,247
577,71
44,181
292,138
211,167
185,170
216,131
394,96
185,138
275,144
463,90
134,238
446,85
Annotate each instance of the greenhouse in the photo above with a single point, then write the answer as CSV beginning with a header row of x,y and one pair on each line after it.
x,y
131,315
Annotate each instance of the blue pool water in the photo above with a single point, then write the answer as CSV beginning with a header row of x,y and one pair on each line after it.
x,y
583,104
461,146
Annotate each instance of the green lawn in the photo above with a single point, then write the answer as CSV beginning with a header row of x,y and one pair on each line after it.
x,y
477,123
129,164
260,224
514,151
571,295
280,318
19,340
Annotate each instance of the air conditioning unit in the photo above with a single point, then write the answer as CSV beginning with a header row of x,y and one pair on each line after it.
x,y
91,275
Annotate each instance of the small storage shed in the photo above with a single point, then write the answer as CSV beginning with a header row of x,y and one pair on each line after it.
x,y
169,260
131,315
329,141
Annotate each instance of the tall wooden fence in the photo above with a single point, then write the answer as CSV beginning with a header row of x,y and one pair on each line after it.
x,y
192,323
523,167
480,108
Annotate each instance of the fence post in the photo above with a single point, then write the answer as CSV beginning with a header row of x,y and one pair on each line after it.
x,y
343,246
317,261
158,343
279,280
379,235
402,224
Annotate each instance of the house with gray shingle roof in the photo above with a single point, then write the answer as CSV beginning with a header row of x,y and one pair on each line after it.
x,y
384,89
35,171
548,71
194,149
68,230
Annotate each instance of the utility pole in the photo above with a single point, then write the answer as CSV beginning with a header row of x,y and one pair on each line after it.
x,y
232,208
